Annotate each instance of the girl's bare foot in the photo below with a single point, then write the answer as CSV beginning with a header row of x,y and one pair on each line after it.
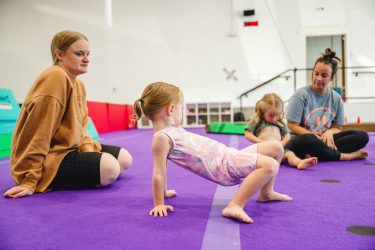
x,y
274,196
308,162
236,212
357,155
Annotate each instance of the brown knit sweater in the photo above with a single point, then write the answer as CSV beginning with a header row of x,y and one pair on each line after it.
x,y
52,122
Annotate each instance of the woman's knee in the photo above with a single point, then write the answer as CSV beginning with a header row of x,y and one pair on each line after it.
x,y
109,169
362,137
125,159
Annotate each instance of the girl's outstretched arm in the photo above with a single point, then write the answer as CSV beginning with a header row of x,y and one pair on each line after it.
x,y
171,192
161,145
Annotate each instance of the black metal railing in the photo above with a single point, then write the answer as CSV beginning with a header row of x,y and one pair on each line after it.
x,y
360,70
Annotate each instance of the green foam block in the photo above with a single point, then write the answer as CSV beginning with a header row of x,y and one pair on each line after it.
x,y
226,128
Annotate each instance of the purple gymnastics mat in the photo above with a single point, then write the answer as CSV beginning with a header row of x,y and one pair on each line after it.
x,y
328,199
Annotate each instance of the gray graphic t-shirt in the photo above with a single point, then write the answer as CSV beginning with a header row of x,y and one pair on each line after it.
x,y
315,112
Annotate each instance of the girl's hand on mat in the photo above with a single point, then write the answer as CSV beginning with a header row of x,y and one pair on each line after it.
x,y
170,193
161,210
17,192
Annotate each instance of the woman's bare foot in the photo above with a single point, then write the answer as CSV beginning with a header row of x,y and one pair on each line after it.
x,y
236,212
357,155
274,196
308,162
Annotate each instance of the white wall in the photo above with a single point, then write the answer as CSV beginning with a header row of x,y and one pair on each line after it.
x,y
183,42
362,110
179,41
356,20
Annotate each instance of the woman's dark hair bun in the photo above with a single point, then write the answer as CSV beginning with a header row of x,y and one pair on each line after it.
x,y
330,54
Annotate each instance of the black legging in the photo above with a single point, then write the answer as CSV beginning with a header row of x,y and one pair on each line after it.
x,y
346,142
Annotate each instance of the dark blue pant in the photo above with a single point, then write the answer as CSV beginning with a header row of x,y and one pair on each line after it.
x,y
345,141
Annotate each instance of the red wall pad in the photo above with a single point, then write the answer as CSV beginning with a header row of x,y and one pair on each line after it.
x,y
98,111
117,117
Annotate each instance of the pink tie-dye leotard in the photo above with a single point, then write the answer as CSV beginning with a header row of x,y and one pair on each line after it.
x,y
210,159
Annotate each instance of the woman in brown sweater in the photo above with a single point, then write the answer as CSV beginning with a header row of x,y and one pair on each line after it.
x,y
51,149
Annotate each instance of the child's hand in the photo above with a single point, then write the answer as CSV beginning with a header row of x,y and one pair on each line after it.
x,y
161,210
170,193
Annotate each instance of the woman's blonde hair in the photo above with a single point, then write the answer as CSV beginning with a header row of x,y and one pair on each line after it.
x,y
63,40
270,100
154,97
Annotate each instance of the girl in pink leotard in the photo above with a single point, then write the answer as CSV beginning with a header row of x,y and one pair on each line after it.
x,y
255,167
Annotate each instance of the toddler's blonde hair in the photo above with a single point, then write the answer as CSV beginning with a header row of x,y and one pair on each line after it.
x,y
270,100
154,97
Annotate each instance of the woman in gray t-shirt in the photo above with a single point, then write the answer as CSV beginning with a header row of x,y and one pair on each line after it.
x,y
315,116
